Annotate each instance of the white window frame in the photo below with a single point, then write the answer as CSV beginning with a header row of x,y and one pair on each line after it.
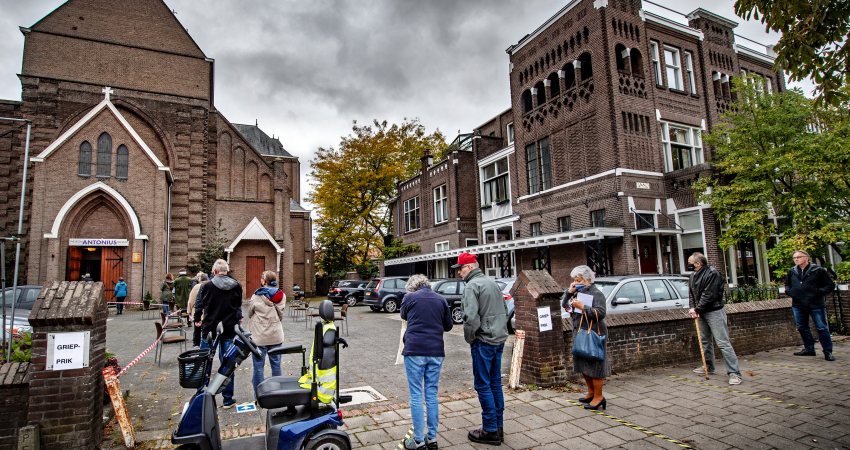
x,y
441,204
509,131
494,179
656,62
535,229
569,218
468,244
689,67
412,220
443,246
675,65
694,142
682,256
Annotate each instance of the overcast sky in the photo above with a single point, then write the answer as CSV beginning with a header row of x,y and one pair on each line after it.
x,y
306,69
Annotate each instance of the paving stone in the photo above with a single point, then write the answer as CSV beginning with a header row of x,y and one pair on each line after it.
x,y
373,437
742,442
453,423
776,441
534,421
604,439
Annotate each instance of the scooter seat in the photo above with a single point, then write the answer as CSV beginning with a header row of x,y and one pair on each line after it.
x,y
280,392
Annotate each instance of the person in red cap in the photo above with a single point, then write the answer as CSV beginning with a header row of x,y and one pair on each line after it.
x,y
485,328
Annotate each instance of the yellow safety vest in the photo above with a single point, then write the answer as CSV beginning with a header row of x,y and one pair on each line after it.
x,y
326,378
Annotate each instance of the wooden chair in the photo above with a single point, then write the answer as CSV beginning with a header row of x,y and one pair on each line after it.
x,y
342,316
166,339
173,325
304,308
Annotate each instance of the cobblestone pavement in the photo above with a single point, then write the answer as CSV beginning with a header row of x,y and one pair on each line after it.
x,y
785,402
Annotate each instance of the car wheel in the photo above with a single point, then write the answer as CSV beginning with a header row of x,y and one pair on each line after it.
x,y
457,315
375,308
391,306
351,300
511,323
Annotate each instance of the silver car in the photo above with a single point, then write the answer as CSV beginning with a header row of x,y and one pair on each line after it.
x,y
637,293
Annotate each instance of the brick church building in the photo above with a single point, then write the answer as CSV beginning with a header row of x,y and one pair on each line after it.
x,y
132,167
594,160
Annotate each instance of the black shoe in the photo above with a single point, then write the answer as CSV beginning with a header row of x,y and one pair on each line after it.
x,y
805,352
485,437
501,434
601,405
585,400
828,356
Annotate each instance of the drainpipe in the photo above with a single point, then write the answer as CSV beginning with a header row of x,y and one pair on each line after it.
x,y
144,266
168,230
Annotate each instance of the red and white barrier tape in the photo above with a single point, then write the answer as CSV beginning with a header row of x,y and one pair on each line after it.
x,y
141,355
133,303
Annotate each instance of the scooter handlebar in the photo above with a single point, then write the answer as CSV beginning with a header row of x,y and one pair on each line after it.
x,y
247,340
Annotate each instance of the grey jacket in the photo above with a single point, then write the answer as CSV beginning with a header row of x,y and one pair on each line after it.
x,y
484,310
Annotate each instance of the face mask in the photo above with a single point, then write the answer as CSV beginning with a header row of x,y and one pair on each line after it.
x,y
579,287
690,267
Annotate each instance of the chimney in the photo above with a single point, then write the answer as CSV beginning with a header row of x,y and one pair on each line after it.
x,y
427,159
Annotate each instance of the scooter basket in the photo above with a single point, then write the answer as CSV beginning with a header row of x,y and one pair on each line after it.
x,y
193,366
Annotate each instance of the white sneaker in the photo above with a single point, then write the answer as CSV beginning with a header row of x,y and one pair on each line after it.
x,y
735,379
701,370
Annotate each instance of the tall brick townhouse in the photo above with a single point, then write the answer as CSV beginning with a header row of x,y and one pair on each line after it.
x,y
132,167
594,161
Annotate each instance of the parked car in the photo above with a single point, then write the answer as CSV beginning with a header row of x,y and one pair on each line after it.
x,y
452,290
25,301
637,293
348,291
384,293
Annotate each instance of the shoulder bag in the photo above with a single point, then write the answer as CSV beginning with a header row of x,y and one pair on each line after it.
x,y
589,344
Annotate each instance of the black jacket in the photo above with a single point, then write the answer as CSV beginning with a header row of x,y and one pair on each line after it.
x,y
220,300
807,289
705,290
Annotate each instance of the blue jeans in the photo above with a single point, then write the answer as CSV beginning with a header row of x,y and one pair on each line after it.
x,y
713,324
801,317
227,392
487,370
423,369
260,365
165,309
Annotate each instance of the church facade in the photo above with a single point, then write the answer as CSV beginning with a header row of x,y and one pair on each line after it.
x,y
132,168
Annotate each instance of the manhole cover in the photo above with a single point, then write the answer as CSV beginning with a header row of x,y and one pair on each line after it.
x,y
361,395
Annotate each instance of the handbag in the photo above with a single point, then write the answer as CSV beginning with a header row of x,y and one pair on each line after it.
x,y
589,345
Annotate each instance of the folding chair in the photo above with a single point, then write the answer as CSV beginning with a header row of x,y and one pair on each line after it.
x,y
167,340
342,316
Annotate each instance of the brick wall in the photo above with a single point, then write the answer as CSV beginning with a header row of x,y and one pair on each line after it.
x,y
14,401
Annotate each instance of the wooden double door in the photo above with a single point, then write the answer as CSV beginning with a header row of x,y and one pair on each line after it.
x,y
254,268
105,264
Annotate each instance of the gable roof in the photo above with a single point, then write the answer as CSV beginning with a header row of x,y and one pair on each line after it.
x,y
261,141
105,104
254,231
148,24
296,207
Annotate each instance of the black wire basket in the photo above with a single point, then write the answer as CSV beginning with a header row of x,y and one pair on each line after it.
x,y
193,366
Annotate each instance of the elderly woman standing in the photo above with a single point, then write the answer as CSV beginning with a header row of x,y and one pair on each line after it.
x,y
265,313
428,317
594,372
201,278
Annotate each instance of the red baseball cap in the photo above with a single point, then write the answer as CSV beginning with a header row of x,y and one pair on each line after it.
x,y
465,258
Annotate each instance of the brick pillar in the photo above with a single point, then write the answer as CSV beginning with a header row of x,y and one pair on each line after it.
x,y
544,356
14,397
844,306
68,404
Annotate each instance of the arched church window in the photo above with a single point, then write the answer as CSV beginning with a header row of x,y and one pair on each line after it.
x,y
122,162
84,169
104,156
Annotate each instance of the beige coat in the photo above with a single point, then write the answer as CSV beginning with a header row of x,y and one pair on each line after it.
x,y
193,297
264,320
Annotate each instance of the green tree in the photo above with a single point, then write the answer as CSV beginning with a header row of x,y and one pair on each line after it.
x,y
212,250
814,40
356,181
778,156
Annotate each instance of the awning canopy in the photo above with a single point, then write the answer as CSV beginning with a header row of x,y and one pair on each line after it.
x,y
655,231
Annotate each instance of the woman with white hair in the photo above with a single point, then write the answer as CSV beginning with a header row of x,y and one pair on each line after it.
x,y
584,317
428,317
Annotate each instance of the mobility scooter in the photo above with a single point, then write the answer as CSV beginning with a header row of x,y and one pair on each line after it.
x,y
296,419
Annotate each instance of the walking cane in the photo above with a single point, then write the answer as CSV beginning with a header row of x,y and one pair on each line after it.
x,y
701,350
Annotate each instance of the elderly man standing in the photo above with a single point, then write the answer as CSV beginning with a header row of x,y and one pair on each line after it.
x,y
807,284
485,328
220,300
706,300
182,286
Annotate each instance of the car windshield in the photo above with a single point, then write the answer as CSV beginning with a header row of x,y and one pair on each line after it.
x,y
605,286
346,283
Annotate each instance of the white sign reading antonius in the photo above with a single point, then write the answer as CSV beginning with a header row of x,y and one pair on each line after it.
x,y
98,242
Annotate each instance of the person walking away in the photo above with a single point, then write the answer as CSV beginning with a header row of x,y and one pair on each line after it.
x,y
807,284
584,317
182,286
199,279
120,294
166,293
265,313
220,300
485,329
428,317
705,297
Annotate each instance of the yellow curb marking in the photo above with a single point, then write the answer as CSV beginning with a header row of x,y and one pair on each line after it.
x,y
804,369
633,426
738,391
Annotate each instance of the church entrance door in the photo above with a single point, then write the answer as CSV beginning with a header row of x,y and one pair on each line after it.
x,y
255,266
